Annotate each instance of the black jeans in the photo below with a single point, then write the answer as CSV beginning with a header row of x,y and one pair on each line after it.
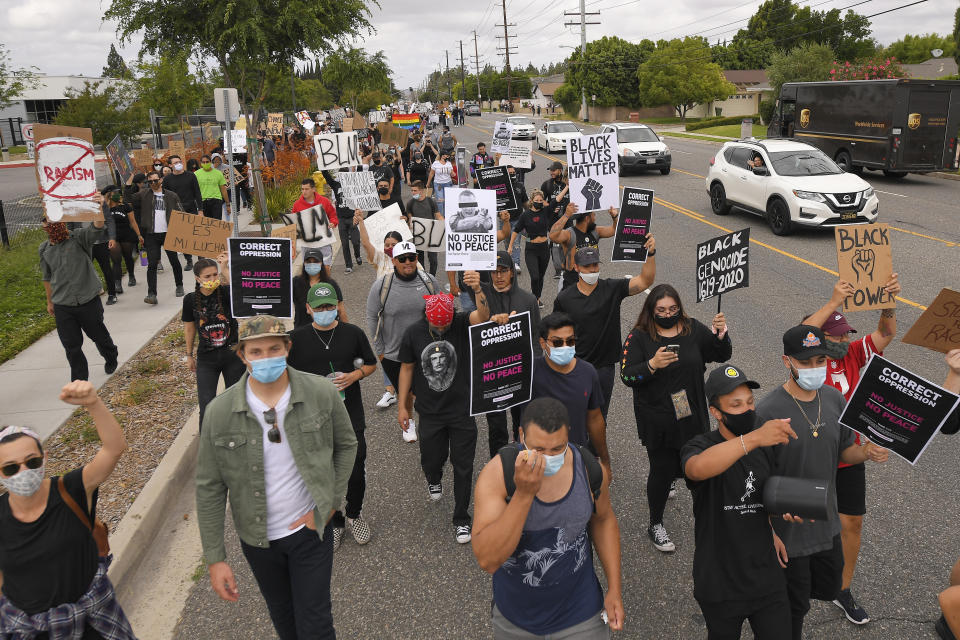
x,y
122,253
537,257
101,253
458,439
153,243
392,369
497,428
293,574
72,323
210,366
432,257
213,208
357,485
769,617
818,576
607,375
349,234
664,467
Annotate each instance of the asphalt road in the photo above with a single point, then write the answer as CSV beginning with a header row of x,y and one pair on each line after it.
x,y
413,581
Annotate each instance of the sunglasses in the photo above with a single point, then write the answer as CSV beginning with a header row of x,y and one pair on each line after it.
x,y
270,417
153,181
10,470
558,342
406,258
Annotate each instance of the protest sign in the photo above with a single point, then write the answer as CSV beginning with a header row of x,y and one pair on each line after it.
x,y
390,134
938,328
238,141
502,133
337,150
897,409
177,148
498,180
313,226
359,190
470,216
518,155
304,119
723,264
354,124
142,158
633,225
593,170
864,260
274,124
120,159
338,114
260,277
197,235
376,116
383,222
66,174
501,364
428,235
287,231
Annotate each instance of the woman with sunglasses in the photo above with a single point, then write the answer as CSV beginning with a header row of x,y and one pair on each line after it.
x,y
53,576
382,258
664,359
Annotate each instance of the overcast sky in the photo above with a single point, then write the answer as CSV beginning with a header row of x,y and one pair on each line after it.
x,y
61,38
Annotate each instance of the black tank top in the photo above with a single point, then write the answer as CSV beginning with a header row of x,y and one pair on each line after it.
x,y
581,239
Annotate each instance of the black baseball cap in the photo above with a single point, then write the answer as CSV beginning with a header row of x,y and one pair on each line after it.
x,y
556,166
725,379
586,256
504,259
804,341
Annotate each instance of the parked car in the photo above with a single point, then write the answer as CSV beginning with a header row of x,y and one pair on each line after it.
x,y
553,136
472,110
640,148
523,128
790,183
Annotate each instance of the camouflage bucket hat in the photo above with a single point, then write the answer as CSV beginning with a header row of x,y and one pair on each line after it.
x,y
261,327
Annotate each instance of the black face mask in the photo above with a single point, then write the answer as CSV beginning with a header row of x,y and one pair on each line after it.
x,y
669,322
591,226
739,424
537,205
383,191
836,350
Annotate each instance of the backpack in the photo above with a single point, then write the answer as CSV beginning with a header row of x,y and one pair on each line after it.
x,y
508,458
98,530
385,287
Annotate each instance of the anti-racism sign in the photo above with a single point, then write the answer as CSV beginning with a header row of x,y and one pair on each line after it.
x,y
428,235
274,124
337,150
938,328
594,171
313,226
864,260
359,190
120,159
260,277
897,409
501,364
470,216
498,180
66,174
633,225
518,155
197,235
723,264
502,134
383,222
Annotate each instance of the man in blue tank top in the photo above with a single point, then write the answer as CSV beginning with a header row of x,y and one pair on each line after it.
x,y
536,543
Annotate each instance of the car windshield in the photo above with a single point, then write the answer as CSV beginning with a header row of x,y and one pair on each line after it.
x,y
566,127
636,134
516,121
811,162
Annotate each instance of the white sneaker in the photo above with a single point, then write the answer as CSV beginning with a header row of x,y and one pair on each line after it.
x,y
463,534
410,435
386,400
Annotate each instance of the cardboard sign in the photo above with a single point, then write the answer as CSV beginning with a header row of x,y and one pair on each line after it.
x,y
428,235
723,264
313,226
594,170
260,277
377,116
897,409
354,124
143,158
502,133
383,222
337,150
633,225
238,141
359,190
498,180
288,231
501,364
274,124
120,159
390,134
518,155
177,148
66,173
938,328
470,216
864,260
196,235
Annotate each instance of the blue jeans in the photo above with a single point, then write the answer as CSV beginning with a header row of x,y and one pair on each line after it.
x,y
466,302
438,190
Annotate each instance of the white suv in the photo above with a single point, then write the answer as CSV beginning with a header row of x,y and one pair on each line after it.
x,y
790,183
523,128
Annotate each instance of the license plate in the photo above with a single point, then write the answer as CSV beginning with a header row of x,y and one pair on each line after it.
x,y
651,160
848,216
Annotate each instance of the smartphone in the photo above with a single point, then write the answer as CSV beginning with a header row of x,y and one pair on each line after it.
x,y
674,348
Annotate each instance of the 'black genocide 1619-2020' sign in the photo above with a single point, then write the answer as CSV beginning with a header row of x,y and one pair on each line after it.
x,y
723,264
260,279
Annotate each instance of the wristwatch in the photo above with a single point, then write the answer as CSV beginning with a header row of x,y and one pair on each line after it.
x,y
652,252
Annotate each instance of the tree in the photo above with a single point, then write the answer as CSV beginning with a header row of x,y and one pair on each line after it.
x,y
956,36
911,49
105,108
312,95
809,62
371,99
569,98
13,82
679,73
743,54
867,70
167,85
116,67
609,70
348,73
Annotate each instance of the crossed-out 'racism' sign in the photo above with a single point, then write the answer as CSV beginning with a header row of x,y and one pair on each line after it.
x,y
66,173
723,264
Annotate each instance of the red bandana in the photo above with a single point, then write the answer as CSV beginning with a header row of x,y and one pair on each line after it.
x,y
439,309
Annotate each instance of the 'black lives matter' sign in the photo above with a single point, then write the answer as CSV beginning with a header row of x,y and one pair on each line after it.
x,y
723,264
260,277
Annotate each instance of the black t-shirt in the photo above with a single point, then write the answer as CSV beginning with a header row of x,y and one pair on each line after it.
x,y
578,390
397,182
441,378
50,561
381,172
386,203
551,188
347,343
734,557
418,171
597,319
120,215
214,330
536,223
301,285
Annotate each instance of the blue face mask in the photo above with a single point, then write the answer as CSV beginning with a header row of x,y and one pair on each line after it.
x,y
562,356
811,379
552,464
312,268
323,318
267,370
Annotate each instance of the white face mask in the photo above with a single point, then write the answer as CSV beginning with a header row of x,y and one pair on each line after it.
x,y
590,278
178,166
26,482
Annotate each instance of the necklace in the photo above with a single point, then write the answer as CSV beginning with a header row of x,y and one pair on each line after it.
x,y
814,427
325,343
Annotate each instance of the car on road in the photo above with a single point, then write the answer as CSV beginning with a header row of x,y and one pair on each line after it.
x,y
472,110
553,136
523,128
790,183
640,148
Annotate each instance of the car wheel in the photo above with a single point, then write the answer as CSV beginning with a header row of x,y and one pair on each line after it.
x,y
845,162
665,170
894,174
778,217
718,199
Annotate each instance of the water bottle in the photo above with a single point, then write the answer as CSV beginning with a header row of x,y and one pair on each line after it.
x,y
143,258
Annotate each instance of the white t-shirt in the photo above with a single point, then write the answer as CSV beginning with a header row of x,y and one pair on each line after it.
x,y
159,214
442,172
287,495
383,262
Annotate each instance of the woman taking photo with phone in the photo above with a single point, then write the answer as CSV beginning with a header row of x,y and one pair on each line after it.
x,y
664,359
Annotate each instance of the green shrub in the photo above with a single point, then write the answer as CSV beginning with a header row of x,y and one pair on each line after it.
x,y
716,122
280,200
569,98
766,110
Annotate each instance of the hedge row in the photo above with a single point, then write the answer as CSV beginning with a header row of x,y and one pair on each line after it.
x,y
716,122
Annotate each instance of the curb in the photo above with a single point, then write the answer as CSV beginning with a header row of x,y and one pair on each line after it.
x,y
945,176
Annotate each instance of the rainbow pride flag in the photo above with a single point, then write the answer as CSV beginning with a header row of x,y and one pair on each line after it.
x,y
406,120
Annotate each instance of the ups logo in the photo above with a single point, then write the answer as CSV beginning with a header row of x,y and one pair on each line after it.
x,y
913,121
804,118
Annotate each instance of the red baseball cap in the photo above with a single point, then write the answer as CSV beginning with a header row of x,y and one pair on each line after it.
x,y
837,325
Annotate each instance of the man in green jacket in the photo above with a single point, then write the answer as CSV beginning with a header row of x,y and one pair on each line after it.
x,y
281,446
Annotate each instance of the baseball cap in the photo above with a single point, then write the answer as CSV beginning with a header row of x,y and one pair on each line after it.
x,y
403,248
261,327
837,325
320,294
504,259
725,379
586,256
804,341
313,252
556,166
138,178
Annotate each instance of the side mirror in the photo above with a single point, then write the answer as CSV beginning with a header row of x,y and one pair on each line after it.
x,y
760,171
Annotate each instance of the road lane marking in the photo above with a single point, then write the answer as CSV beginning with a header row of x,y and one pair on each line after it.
x,y
891,193
695,175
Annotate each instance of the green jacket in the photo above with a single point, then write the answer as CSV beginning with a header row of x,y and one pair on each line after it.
x,y
230,461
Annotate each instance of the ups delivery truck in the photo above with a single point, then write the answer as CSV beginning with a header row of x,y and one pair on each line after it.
x,y
898,126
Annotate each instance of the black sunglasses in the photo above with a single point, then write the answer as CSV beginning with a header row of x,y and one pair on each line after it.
x,y
558,342
270,417
10,470
153,181
406,258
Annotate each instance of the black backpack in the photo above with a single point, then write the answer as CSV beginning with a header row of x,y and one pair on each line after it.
x,y
508,458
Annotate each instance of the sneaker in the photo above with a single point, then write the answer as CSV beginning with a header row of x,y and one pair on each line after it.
x,y
658,535
540,303
151,299
519,270
159,266
359,261
179,293
386,400
111,300
110,367
673,489
337,537
851,609
131,281
410,435
189,265
118,288
463,534
436,491
348,270
360,529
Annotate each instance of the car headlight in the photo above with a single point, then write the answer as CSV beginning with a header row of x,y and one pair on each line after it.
x,y
665,151
867,192
809,195
628,152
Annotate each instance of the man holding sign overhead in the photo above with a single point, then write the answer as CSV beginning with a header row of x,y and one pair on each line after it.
x,y
315,215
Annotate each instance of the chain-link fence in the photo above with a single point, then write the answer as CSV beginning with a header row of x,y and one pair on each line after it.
x,y
18,216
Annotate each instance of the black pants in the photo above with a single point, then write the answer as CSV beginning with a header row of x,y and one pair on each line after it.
x,y
458,439
432,257
818,576
607,375
101,253
769,617
664,467
123,254
213,208
357,485
537,257
392,369
153,243
497,433
349,234
210,366
293,574
72,323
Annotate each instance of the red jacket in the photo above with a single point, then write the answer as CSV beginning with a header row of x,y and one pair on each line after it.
x,y
302,204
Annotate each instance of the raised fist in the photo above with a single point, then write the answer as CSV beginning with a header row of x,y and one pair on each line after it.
x,y
591,191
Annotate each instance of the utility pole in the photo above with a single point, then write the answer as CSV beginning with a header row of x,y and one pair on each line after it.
x,y
476,61
463,77
506,49
583,48
449,88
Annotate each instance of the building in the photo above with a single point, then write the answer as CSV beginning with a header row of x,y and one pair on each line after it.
x,y
543,89
750,84
932,69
